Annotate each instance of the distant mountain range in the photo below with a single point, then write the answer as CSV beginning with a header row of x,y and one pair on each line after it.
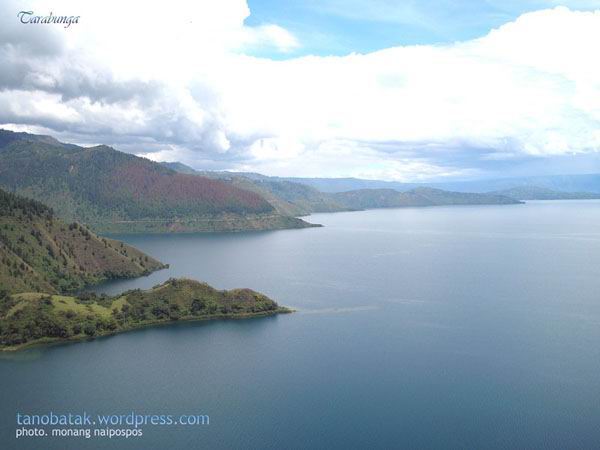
x,y
294,197
111,191
289,198
584,184
541,193
390,198
40,253
555,187
118,192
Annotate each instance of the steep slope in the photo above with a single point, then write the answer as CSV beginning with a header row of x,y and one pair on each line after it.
x,y
115,191
304,197
389,198
541,193
27,319
39,252
288,198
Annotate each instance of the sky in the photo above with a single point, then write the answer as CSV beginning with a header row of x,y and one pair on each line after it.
x,y
427,90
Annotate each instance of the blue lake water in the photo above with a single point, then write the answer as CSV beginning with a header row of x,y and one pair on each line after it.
x,y
458,327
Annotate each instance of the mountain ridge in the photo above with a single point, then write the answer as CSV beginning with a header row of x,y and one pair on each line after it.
x,y
390,198
103,187
307,199
561,182
39,252
541,193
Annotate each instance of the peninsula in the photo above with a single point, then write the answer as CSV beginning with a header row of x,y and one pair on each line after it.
x,y
43,260
28,319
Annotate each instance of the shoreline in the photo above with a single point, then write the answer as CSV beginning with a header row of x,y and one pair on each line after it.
x,y
43,342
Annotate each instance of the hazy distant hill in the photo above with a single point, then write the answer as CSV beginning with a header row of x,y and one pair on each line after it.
x,y
179,167
589,183
561,183
334,185
39,252
540,193
308,199
389,198
119,192
293,197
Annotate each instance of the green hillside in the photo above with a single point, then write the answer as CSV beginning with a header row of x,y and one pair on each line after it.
x,y
288,198
114,191
27,319
39,252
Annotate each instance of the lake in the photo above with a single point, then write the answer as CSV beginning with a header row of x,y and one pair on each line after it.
x,y
449,327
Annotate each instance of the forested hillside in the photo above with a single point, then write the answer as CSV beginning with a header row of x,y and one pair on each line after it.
x,y
39,252
111,190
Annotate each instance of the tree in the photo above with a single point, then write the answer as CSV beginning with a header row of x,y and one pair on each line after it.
x,y
89,329
197,306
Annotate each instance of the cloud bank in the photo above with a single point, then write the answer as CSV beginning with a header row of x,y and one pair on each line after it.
x,y
178,82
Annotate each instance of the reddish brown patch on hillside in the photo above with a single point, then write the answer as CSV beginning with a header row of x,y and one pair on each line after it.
x,y
144,182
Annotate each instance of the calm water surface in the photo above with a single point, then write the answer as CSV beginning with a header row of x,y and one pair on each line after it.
x,y
465,327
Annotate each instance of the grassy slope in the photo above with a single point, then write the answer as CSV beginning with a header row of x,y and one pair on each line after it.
x,y
31,318
39,252
103,187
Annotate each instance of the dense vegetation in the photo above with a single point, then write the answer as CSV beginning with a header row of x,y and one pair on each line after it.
x,y
36,318
39,252
102,187
307,198
288,198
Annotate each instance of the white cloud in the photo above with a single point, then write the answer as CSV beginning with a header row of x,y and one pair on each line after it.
x,y
531,84
173,81
342,158
270,35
